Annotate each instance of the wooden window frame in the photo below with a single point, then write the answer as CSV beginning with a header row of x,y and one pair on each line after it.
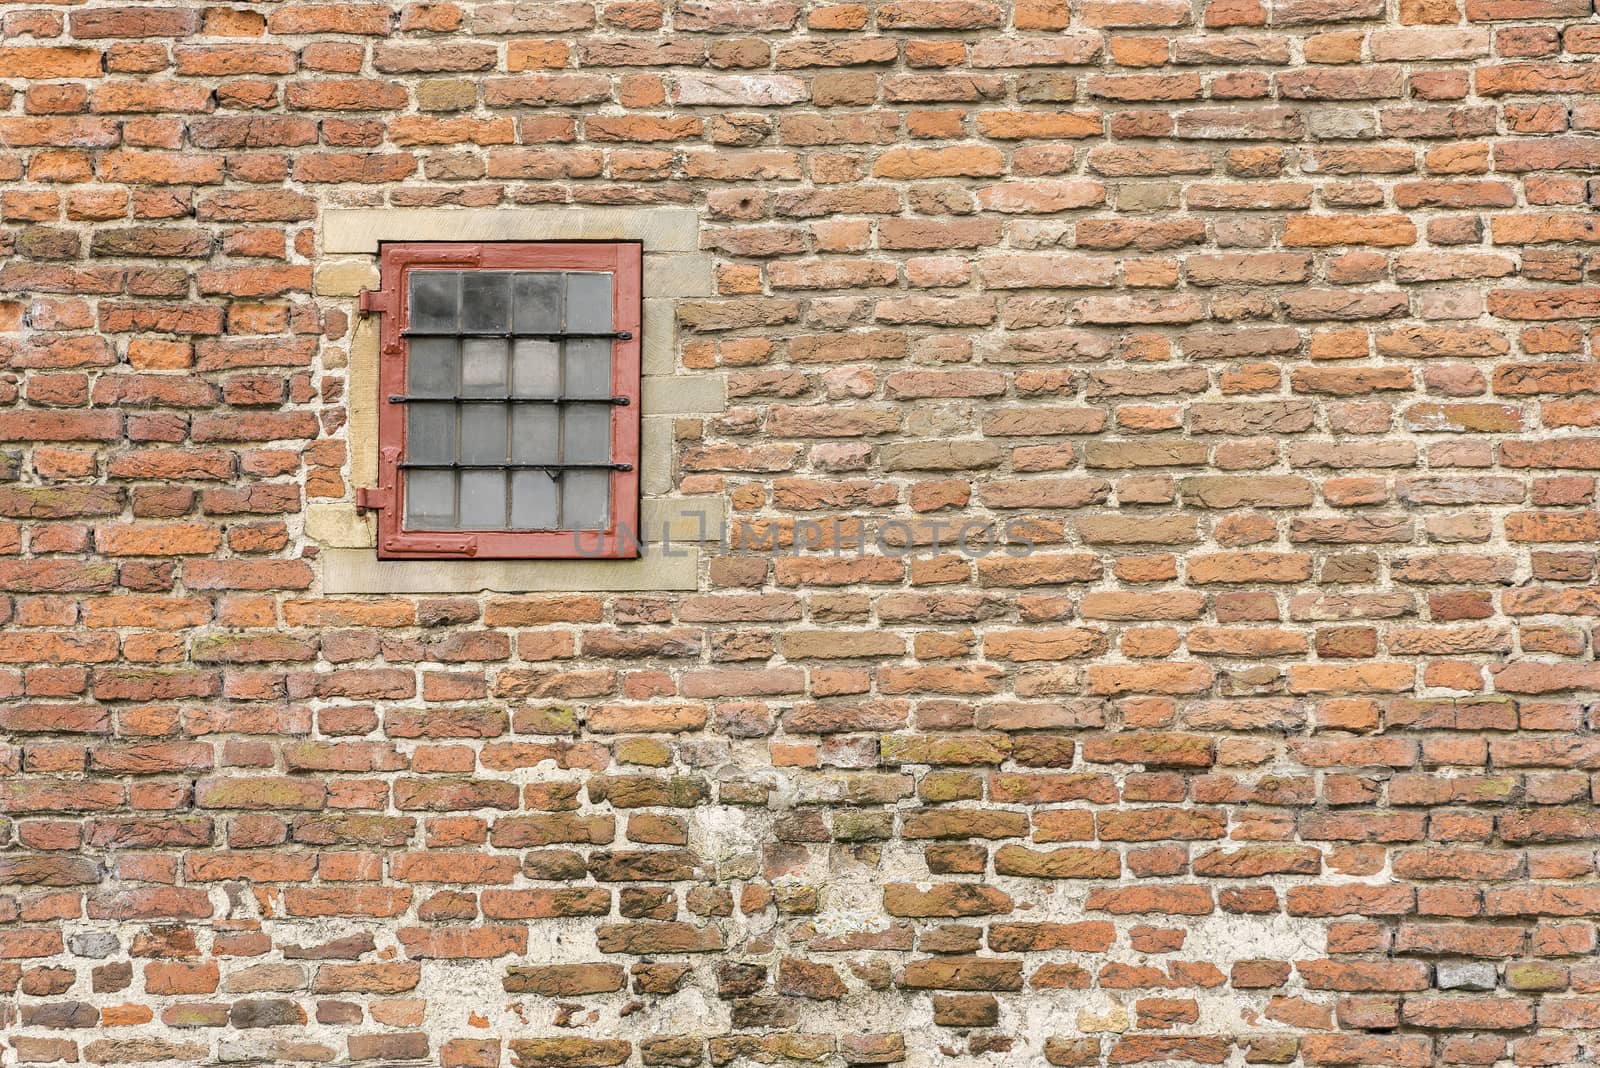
x,y
621,538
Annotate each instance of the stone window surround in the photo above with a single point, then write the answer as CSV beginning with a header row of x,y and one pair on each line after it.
x,y
674,269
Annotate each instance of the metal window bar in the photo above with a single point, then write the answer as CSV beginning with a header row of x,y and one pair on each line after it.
x,y
461,371
542,335
509,465
458,398
561,389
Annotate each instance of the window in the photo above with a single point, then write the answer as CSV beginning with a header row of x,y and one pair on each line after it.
x,y
508,421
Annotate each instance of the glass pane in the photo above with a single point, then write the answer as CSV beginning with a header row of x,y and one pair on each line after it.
x,y
483,433
588,301
588,368
534,371
486,300
535,434
483,500
431,367
533,501
537,297
430,500
433,299
430,433
586,433
585,499
483,367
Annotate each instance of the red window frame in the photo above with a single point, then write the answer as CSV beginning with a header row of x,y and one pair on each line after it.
x,y
620,539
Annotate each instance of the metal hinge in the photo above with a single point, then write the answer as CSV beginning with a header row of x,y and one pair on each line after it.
x,y
377,300
453,544
373,499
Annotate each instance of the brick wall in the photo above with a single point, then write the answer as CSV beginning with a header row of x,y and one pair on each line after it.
x,y
1266,323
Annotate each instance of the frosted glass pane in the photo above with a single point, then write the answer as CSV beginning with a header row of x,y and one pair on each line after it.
x,y
537,298
588,301
433,299
431,367
588,368
534,501
430,500
430,433
486,300
483,500
586,433
585,500
483,433
535,434
483,367
534,371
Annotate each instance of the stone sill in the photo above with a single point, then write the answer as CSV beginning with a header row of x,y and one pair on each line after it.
x,y
346,571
